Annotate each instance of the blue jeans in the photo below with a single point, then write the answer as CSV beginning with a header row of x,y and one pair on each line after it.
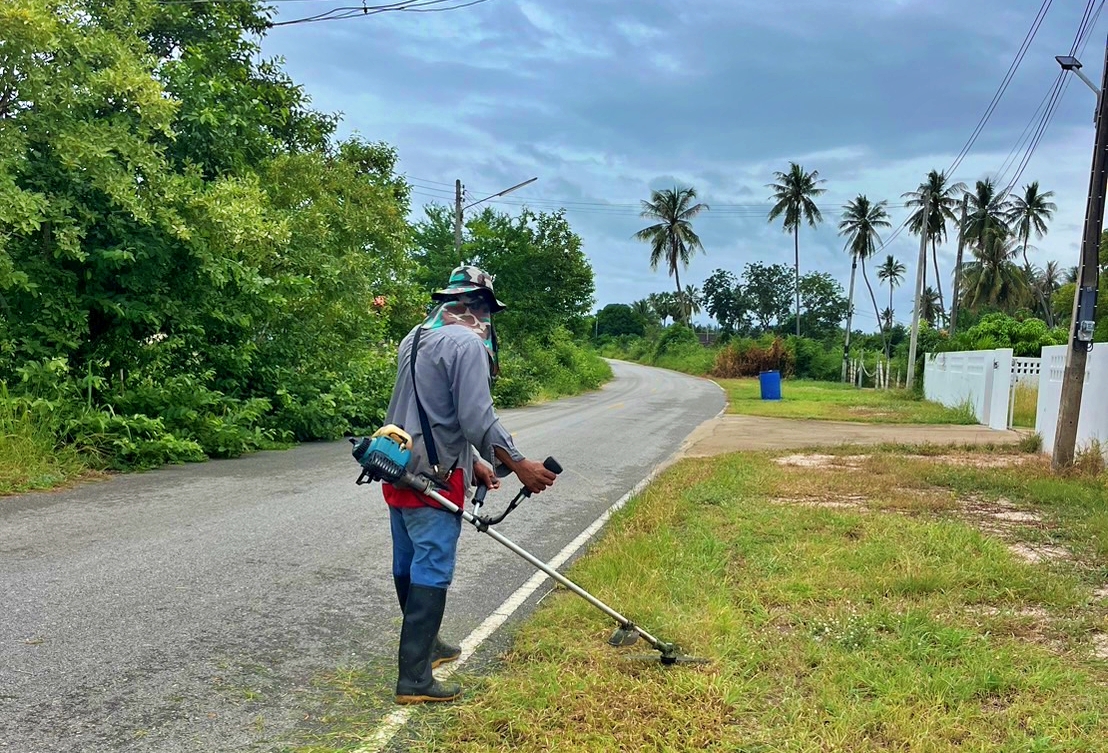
x,y
424,544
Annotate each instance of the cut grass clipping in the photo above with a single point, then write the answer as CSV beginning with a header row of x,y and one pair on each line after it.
x,y
841,402
858,603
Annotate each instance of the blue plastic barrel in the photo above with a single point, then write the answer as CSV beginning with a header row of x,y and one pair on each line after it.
x,y
770,382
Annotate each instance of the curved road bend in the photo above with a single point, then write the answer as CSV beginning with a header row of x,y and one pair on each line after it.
x,y
189,608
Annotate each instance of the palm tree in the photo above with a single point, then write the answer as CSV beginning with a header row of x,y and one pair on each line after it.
x,y
644,308
941,198
1046,282
993,278
887,319
861,221
794,195
671,238
892,272
929,305
987,214
691,299
1027,213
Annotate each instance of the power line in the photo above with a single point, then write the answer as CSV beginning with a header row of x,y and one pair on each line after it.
x,y
1028,38
404,6
1057,92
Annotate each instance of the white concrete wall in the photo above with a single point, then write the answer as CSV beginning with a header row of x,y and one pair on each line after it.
x,y
1094,405
981,377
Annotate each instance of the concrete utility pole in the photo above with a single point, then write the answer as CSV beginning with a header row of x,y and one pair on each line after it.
x,y
958,266
920,267
458,191
459,210
1084,305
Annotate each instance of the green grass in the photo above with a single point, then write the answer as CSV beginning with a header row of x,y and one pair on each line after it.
x,y
833,401
29,458
891,625
1026,403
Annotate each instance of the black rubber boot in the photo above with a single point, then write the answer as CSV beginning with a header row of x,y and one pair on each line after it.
x,y
441,652
422,616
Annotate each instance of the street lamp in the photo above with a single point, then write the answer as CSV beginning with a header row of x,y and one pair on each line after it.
x,y
459,209
1084,301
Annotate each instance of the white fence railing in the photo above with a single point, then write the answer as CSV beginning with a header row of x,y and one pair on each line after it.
x,y
1093,424
982,378
1026,371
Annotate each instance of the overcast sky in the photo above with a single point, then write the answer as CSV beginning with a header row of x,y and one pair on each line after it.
x,y
604,100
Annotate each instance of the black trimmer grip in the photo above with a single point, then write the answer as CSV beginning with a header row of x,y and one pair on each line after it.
x,y
552,465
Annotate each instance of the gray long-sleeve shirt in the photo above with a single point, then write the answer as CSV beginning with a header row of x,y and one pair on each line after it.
x,y
452,376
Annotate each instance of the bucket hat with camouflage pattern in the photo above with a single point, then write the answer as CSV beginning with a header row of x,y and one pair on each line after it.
x,y
467,279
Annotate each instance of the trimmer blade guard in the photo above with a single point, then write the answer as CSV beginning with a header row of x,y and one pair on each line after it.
x,y
623,637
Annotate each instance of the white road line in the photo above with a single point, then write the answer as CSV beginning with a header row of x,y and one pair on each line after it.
x,y
394,721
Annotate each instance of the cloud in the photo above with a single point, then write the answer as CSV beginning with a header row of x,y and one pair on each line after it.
x,y
606,100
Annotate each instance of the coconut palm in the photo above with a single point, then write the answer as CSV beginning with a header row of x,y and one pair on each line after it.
x,y
887,319
988,214
644,308
671,238
1045,282
929,305
861,221
794,196
1029,213
941,197
691,299
993,278
891,272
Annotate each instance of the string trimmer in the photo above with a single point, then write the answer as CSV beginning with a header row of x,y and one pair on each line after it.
x,y
384,457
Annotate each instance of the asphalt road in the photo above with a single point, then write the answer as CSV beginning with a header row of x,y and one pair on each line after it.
x,y
193,608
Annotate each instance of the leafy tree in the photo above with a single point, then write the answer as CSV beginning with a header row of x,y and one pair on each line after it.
x,y
725,301
541,271
823,304
860,224
941,197
672,237
618,319
767,289
794,194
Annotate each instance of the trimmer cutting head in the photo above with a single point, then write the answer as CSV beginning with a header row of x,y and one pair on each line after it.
x,y
668,654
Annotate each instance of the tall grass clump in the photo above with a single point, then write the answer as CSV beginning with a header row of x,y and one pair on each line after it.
x,y
30,455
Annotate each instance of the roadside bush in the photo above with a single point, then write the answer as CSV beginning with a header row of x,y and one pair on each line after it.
x,y
549,367
748,358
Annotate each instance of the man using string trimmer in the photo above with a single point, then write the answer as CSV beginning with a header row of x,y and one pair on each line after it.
x,y
443,399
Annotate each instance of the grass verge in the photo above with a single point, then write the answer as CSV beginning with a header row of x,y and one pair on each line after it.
x,y
28,456
832,401
895,614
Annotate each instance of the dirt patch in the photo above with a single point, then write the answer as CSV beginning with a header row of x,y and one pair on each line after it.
x,y
1101,593
733,433
853,502
1100,646
822,461
974,460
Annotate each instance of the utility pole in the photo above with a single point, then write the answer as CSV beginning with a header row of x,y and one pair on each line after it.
x,y
1084,306
458,190
958,266
920,267
459,210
